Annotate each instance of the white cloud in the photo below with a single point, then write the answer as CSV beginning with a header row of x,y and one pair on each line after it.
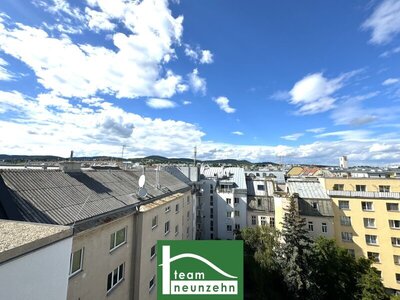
x,y
197,83
348,135
316,130
199,55
223,103
160,103
390,52
390,81
134,68
186,102
237,133
4,73
384,22
292,137
206,57
98,20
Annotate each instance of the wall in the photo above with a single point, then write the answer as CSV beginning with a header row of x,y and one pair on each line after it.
x,y
42,274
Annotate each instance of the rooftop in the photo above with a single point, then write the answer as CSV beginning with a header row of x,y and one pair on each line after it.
x,y
307,189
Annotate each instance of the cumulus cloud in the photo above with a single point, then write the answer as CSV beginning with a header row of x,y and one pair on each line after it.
x,y
160,103
186,102
197,83
223,103
292,137
384,22
237,133
98,20
199,55
390,81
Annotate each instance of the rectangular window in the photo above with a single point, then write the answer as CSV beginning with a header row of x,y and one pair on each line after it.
x,y
253,220
259,202
351,252
271,222
347,237
263,220
398,277
324,227
176,229
392,206
211,213
369,222
260,187
237,226
396,259
152,252
229,227
115,277
117,238
211,189
168,209
228,214
315,205
188,200
228,201
371,239
395,241
211,200
338,187
177,208
374,256
236,200
211,236
345,221
394,224
384,188
76,262
152,283
367,206
343,204
237,213
188,216
166,228
154,222
310,226
360,188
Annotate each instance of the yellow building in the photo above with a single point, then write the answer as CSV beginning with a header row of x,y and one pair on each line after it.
x,y
367,221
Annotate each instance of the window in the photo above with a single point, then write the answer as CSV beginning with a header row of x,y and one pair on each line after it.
x,y
259,202
154,222
253,220
229,227
338,187
152,283
176,229
369,222
367,206
228,214
310,226
211,236
345,221
211,225
237,226
392,206
168,209
236,200
263,220
384,188
394,224
360,188
228,201
396,259
176,208
315,205
76,262
398,277
395,241
115,277
117,238
211,189
237,213
371,239
188,200
324,227
351,252
152,252
211,200
188,215
343,204
347,237
271,222
260,187
374,256
211,213
166,228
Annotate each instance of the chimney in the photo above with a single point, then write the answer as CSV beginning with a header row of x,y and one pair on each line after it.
x,y
70,167
72,155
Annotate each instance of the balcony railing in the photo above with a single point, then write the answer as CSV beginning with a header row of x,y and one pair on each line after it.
x,y
350,194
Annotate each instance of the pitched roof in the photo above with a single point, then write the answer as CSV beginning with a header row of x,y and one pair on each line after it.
x,y
234,173
307,189
55,197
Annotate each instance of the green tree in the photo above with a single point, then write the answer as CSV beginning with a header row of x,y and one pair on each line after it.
x,y
370,285
296,255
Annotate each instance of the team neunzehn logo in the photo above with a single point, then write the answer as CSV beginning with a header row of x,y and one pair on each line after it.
x,y
200,270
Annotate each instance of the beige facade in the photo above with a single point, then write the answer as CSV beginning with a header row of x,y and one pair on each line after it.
x,y
134,254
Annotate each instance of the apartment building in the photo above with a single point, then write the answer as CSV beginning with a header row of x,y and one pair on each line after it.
x,y
222,203
115,227
367,221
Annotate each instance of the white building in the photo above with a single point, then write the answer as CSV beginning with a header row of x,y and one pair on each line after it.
x,y
34,260
223,202
343,162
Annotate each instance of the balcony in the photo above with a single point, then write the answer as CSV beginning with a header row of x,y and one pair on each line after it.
x,y
372,195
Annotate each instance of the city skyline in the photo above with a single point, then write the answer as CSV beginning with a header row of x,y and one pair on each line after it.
x,y
307,81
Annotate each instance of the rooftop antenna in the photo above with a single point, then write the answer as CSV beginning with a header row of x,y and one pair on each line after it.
x,y
122,154
195,155
80,210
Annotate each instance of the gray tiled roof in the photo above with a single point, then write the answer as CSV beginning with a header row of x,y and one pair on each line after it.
x,y
324,208
234,173
50,196
307,189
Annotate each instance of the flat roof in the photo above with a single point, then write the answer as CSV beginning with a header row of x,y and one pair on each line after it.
x,y
19,238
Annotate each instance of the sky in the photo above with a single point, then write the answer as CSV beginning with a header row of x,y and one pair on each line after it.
x,y
284,81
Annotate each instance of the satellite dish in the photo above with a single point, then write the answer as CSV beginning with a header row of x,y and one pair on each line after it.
x,y
142,192
142,181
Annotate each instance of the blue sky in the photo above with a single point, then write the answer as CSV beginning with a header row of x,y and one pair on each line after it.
x,y
308,81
